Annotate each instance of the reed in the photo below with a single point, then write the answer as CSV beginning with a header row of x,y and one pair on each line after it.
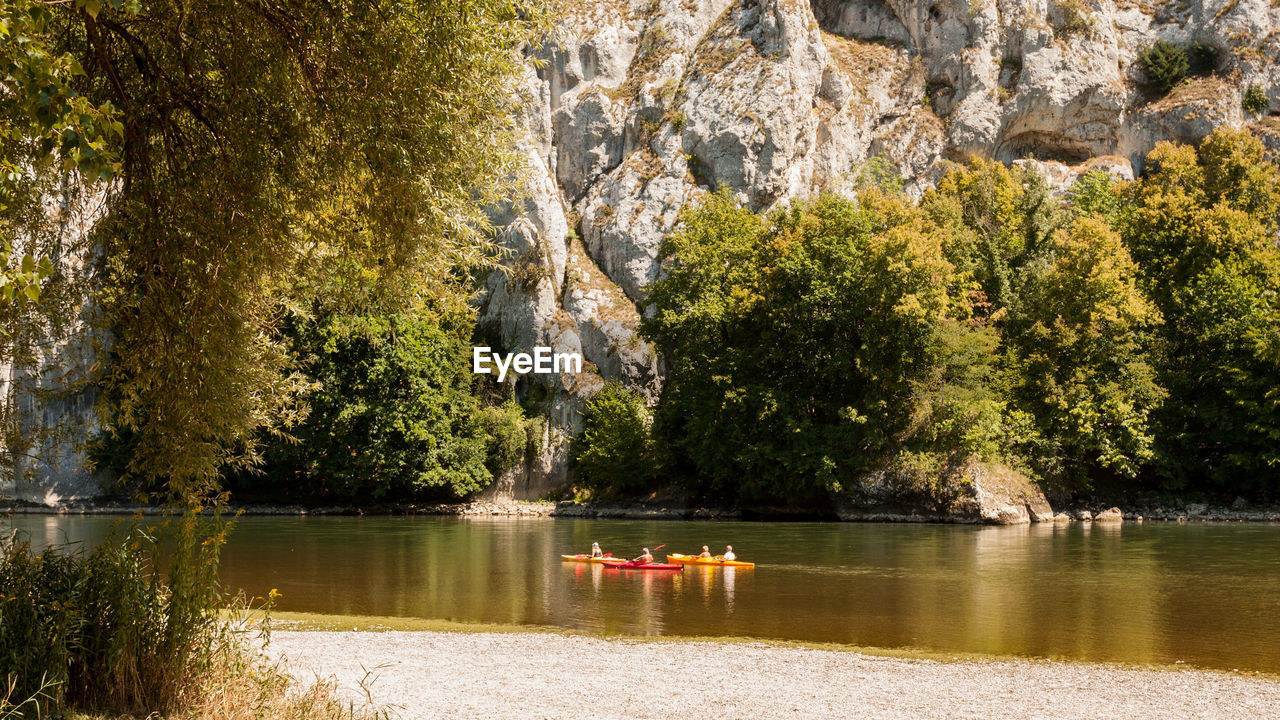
x,y
130,626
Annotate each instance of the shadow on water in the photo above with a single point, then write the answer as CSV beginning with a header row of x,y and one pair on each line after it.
x,y
1206,595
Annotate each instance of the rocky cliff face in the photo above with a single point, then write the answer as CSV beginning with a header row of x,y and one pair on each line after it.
x,y
639,107
50,357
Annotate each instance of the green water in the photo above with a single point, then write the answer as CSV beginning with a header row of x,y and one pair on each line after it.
x,y
1206,595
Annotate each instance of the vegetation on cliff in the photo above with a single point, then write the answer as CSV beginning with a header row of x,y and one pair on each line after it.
x,y
1125,334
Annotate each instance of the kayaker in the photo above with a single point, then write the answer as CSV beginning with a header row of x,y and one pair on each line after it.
x,y
728,553
596,551
706,552
644,559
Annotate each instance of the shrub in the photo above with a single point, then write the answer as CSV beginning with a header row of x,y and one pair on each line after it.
x,y
100,634
109,631
1164,64
616,450
1073,19
1255,100
511,438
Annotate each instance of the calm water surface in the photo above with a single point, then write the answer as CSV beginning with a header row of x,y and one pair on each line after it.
x,y
1206,595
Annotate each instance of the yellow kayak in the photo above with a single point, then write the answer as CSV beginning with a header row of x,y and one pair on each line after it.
x,y
589,559
714,561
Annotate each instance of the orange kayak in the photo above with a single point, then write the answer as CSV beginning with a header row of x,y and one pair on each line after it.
x,y
588,558
711,562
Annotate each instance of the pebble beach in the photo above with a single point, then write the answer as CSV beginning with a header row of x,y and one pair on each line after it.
x,y
545,675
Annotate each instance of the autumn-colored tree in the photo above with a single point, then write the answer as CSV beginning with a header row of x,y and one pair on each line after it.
x,y
1077,361
1203,225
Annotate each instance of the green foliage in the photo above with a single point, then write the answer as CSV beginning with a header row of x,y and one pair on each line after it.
x,y
46,124
258,160
1076,358
881,173
617,450
812,345
1202,226
1255,101
1164,64
997,220
393,413
1094,193
1072,326
115,630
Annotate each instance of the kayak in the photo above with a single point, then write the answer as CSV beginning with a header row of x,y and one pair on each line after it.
x,y
588,558
712,562
629,565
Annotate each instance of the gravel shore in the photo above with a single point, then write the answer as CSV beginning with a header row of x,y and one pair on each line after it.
x,y
533,675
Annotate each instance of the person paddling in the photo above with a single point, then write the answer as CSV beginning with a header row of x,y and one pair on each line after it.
x,y
728,553
596,551
644,559
706,552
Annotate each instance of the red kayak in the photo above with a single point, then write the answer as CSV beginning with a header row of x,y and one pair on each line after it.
x,y
631,565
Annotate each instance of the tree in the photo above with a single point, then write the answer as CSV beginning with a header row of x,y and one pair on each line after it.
x,y
1076,357
392,412
998,219
1203,225
809,346
617,450
1095,193
260,145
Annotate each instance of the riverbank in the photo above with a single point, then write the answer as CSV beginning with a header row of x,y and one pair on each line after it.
x,y
430,674
1170,511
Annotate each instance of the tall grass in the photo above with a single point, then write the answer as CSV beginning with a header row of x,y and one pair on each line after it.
x,y
138,627
116,629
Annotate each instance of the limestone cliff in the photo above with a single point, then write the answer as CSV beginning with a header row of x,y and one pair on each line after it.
x,y
51,355
639,107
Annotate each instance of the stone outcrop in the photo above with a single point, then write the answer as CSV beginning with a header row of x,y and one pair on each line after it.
x,y
1109,515
976,493
642,106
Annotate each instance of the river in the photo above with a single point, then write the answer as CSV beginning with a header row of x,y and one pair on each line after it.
x,y
1203,594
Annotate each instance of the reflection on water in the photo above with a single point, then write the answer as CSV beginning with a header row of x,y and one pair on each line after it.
x,y
1202,594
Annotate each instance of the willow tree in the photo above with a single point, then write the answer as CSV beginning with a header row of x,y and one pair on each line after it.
x,y
263,147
